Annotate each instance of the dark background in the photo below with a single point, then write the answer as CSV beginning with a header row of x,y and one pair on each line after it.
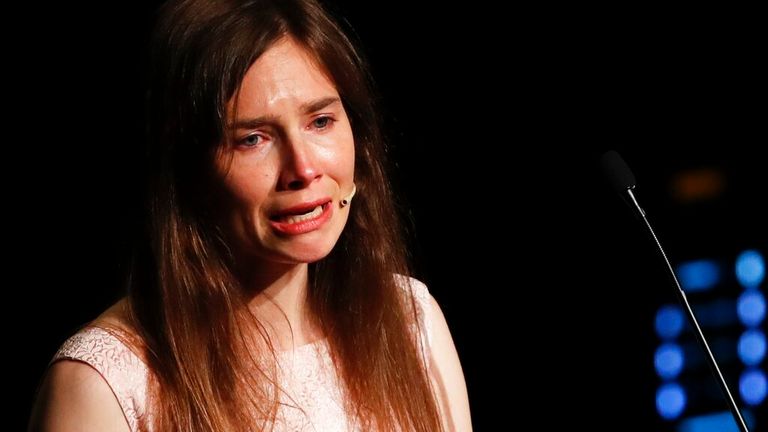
x,y
497,121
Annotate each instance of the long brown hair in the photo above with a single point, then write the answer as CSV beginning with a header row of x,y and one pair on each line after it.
x,y
186,305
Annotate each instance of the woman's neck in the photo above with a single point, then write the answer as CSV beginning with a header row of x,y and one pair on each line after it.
x,y
279,301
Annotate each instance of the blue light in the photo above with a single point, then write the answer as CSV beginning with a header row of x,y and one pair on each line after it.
x,y
669,322
752,347
670,400
753,386
751,308
698,275
669,360
720,422
750,268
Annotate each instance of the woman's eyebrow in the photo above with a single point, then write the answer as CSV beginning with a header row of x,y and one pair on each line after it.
x,y
306,108
319,104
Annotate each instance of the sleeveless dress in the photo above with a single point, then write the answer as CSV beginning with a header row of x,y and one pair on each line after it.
x,y
312,399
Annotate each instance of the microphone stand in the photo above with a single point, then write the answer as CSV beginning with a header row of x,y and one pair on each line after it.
x,y
694,322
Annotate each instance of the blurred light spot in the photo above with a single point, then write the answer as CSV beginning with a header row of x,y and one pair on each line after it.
x,y
750,268
669,321
751,308
752,386
752,347
698,275
697,184
720,422
670,400
669,360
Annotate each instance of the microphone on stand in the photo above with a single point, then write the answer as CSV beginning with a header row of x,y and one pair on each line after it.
x,y
623,181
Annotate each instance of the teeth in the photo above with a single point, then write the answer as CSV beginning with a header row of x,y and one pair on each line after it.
x,y
307,216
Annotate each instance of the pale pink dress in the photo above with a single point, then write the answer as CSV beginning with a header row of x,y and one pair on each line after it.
x,y
313,402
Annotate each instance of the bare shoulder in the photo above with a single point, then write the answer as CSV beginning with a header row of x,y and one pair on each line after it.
x,y
74,396
447,375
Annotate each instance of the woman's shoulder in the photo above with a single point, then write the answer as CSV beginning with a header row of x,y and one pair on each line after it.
x,y
108,345
443,364
102,355
414,287
422,304
74,396
102,348
106,340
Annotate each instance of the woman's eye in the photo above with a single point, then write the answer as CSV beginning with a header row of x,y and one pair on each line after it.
x,y
251,141
322,122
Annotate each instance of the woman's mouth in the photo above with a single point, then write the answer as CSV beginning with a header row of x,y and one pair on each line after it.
x,y
302,219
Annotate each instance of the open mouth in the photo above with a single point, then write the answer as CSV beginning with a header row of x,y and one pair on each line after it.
x,y
302,219
301,215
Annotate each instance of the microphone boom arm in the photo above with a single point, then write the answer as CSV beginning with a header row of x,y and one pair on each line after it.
x,y
694,322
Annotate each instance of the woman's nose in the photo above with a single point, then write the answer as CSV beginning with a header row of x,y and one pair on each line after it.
x,y
300,167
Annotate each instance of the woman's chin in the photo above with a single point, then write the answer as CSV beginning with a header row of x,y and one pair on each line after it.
x,y
307,254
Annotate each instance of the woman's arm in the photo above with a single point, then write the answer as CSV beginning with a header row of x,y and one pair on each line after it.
x,y
447,376
74,397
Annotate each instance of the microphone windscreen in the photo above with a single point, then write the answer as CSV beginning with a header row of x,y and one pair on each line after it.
x,y
617,172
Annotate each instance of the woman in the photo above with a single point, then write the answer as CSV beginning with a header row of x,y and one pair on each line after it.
x,y
266,298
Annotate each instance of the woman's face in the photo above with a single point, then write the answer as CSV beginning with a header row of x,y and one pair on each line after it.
x,y
290,161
